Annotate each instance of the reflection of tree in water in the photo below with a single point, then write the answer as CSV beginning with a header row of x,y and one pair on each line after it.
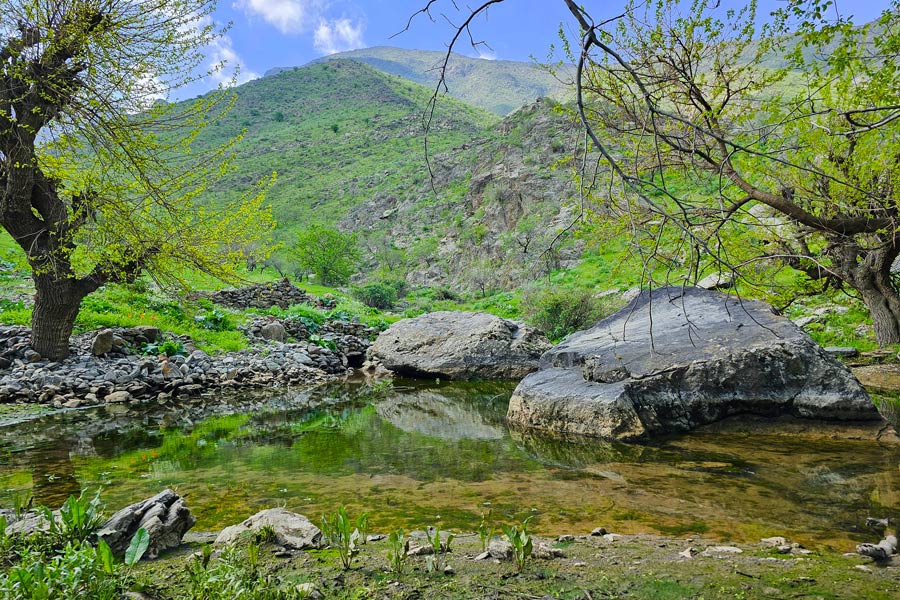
x,y
53,474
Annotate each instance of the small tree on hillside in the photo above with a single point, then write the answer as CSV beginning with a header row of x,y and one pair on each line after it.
x,y
733,146
333,256
98,181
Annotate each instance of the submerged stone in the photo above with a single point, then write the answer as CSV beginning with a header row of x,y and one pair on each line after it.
x,y
678,358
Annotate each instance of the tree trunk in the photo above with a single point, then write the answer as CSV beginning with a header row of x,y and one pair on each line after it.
x,y
56,304
882,300
885,320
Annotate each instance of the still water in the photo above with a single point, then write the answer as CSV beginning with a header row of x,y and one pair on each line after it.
x,y
440,454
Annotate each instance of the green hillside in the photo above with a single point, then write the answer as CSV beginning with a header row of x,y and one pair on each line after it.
x,y
336,133
498,86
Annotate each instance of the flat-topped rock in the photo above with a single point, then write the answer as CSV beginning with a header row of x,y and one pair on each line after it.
x,y
679,358
460,345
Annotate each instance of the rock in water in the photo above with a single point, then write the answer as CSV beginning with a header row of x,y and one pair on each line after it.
x,y
678,358
460,345
291,530
164,516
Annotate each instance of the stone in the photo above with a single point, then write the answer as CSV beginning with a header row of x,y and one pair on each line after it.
x,y
678,358
716,281
722,550
274,331
117,397
459,345
148,331
598,531
842,351
500,549
292,530
165,517
545,552
773,542
103,342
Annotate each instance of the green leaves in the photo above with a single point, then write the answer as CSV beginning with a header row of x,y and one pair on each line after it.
x,y
398,551
521,543
139,544
342,535
107,560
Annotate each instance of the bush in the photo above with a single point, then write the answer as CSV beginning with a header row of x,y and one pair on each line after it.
x,y
560,312
377,295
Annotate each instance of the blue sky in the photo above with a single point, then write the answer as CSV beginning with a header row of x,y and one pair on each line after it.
x,y
284,33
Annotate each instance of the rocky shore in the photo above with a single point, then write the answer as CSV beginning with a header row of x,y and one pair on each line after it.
x,y
108,366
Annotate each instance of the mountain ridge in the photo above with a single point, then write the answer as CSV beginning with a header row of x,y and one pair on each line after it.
x,y
498,86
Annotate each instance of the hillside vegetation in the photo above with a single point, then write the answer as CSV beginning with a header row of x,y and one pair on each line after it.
x,y
336,133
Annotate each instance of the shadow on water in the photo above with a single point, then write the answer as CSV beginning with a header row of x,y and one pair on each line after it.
x,y
422,454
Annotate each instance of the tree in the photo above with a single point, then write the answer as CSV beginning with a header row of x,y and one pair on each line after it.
x,y
733,145
98,178
333,256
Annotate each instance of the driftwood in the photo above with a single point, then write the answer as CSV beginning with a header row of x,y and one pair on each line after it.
x,y
882,551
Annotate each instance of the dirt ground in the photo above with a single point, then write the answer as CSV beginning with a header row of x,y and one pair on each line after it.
x,y
588,567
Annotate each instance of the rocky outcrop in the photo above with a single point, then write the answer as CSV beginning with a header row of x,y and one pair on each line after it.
x,y
291,530
460,345
281,293
164,516
678,358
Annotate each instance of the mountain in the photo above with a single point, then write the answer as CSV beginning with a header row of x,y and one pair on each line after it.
x,y
337,133
347,142
498,86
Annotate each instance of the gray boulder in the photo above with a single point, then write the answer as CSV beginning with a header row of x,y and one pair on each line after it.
x,y
678,358
291,530
273,330
102,342
164,516
460,345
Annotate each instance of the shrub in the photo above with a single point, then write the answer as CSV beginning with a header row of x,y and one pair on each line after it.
x,y
560,312
377,295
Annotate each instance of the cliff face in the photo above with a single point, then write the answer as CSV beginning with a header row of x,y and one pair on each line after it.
x,y
497,210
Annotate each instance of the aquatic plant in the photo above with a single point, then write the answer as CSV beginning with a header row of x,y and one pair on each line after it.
x,y
521,543
398,551
79,518
486,529
437,560
341,535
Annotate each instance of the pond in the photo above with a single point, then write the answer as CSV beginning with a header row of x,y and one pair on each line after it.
x,y
419,454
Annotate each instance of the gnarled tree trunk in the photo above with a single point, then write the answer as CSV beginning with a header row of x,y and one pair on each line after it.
x,y
56,304
869,273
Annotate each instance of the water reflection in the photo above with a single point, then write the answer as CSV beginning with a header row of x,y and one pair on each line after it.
x,y
438,454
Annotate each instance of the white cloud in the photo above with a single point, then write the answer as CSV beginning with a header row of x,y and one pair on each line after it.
x,y
338,35
330,35
288,16
486,54
227,65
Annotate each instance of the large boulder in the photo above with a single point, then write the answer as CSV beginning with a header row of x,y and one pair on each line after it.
x,y
290,529
678,358
460,345
164,516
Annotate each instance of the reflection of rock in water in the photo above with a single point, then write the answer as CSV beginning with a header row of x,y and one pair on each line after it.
x,y
577,452
436,415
